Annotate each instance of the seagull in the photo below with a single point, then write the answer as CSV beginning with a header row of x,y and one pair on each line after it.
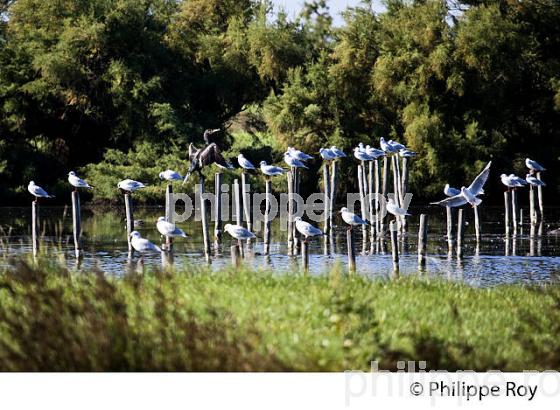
x,y
238,232
534,165
129,185
306,229
170,175
328,154
351,218
361,155
207,134
394,209
534,181
77,182
386,147
406,153
200,158
469,195
37,191
169,229
245,163
293,162
396,145
270,170
450,191
339,153
374,152
141,244
512,181
297,154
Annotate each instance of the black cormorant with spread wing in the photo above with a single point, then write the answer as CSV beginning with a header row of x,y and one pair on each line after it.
x,y
201,157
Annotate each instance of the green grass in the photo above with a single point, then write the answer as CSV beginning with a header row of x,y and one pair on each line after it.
x,y
54,319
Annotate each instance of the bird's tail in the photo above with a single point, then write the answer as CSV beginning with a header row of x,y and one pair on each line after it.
x,y
157,248
51,196
186,178
477,201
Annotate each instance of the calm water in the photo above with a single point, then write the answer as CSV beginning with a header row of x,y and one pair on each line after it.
x,y
493,261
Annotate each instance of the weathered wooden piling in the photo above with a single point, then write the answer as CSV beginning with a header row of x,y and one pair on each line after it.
x,y
450,228
514,210
334,185
393,228
540,198
351,250
422,242
385,177
169,208
376,199
268,193
404,185
77,223
460,232
129,217
327,189
371,208
304,255
476,223
204,217
290,178
532,206
507,222
235,255
246,195
237,202
35,227
363,207
218,207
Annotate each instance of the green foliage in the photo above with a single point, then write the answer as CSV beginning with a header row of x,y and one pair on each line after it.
x,y
194,320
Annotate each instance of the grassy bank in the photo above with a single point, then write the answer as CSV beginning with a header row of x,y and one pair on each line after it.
x,y
53,319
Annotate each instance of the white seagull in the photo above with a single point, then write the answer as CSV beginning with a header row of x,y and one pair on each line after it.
x,y
351,218
386,147
406,153
534,165
141,244
394,209
77,182
534,181
270,170
512,181
245,163
362,155
293,162
37,191
466,195
297,154
328,154
338,152
170,175
129,185
306,229
396,145
169,229
238,232
374,152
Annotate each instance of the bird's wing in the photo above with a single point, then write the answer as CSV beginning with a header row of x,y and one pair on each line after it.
x,y
453,201
476,187
40,191
239,231
211,154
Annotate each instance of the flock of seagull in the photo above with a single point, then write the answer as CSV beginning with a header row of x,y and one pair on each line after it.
x,y
294,158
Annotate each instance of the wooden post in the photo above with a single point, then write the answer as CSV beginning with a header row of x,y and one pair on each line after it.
x,y
169,208
351,251
237,199
532,207
268,189
246,201
450,229
304,255
204,217
327,189
460,232
506,213
376,189
394,244
385,179
296,192
218,207
370,203
35,227
76,223
404,184
540,198
334,183
290,177
514,210
129,218
422,242
235,255
476,223
395,182
362,205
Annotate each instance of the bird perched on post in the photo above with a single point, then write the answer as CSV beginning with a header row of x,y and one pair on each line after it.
x,y
338,152
306,229
512,181
534,181
394,209
77,182
37,191
534,165
469,194
351,218
386,147
169,229
270,170
293,162
128,186
170,175
208,133
362,155
245,163
328,154
297,154
200,158
142,245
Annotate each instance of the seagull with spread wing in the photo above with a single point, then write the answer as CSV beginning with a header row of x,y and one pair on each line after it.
x,y
468,194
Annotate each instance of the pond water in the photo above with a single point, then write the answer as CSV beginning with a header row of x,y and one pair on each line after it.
x,y
494,260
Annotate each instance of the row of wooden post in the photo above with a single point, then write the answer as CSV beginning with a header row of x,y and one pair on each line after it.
x,y
513,216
